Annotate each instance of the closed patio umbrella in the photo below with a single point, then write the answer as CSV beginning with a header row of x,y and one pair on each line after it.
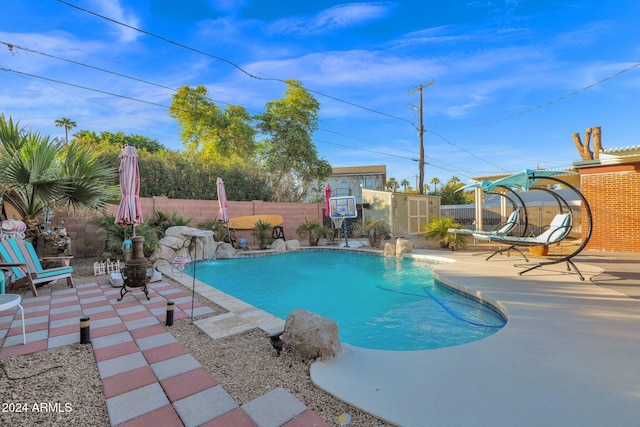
x,y
327,196
129,211
223,212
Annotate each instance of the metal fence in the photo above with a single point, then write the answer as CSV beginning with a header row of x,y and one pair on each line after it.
x,y
538,216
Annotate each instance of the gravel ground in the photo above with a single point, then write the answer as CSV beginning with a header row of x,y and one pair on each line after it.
x,y
245,365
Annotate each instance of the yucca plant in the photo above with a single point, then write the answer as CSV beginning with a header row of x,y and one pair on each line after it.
x,y
262,234
162,221
438,229
115,234
374,230
313,230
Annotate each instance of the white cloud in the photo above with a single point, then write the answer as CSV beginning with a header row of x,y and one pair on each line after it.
x,y
114,10
334,19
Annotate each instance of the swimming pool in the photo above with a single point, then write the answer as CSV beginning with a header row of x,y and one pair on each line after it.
x,y
377,302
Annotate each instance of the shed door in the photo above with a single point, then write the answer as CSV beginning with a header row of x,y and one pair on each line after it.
x,y
418,214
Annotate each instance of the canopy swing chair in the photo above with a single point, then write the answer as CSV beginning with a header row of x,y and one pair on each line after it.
x,y
556,231
518,219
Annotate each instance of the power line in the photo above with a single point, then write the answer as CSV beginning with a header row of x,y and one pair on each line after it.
x,y
9,70
466,151
553,101
365,140
165,106
233,64
13,46
363,149
82,97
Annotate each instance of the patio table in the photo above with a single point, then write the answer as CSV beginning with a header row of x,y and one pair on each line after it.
x,y
8,301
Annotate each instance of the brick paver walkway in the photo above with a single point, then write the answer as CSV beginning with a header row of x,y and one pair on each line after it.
x,y
148,377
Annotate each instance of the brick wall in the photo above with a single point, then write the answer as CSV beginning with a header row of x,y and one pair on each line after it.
x,y
85,243
613,193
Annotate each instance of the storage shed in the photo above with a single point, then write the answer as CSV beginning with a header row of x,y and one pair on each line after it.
x,y
404,213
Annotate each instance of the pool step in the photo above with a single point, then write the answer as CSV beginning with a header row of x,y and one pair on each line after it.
x,y
241,317
232,323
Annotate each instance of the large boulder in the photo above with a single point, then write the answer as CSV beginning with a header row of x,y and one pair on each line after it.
x,y
403,246
186,241
175,243
311,335
389,250
279,245
225,251
293,245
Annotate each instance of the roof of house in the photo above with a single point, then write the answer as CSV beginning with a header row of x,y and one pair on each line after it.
x,y
361,170
620,155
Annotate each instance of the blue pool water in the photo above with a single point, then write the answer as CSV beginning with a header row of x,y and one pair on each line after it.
x,y
377,302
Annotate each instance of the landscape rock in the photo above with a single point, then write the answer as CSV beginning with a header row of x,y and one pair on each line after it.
x,y
178,242
403,246
225,251
175,243
293,245
389,250
279,245
311,335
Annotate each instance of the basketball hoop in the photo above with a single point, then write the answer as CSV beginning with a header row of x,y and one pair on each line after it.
x,y
341,208
337,221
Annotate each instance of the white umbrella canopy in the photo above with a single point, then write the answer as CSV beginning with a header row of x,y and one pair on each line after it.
x,y
129,210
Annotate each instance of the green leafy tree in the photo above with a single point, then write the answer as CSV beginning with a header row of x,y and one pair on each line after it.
x,y
208,129
67,124
288,152
38,172
405,184
113,142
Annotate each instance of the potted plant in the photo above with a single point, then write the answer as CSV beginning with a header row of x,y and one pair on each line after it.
x,y
262,234
374,230
438,229
313,231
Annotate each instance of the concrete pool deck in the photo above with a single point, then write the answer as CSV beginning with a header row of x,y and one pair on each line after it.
x,y
568,355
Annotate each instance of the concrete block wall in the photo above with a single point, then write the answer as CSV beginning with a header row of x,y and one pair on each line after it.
x,y
85,243
613,193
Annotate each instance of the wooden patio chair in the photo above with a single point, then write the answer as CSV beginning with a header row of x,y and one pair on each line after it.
x,y
29,270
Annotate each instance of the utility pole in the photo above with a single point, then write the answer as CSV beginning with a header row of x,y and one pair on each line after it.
x,y
421,133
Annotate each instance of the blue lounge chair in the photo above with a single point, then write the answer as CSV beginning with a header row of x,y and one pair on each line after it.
x,y
29,270
501,229
555,232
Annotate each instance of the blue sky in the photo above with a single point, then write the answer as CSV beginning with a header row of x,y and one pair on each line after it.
x,y
512,79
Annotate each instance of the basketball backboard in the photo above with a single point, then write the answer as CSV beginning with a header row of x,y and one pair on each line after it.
x,y
343,207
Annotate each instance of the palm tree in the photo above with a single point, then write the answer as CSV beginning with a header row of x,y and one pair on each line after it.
x,y
39,173
405,184
67,124
435,181
391,184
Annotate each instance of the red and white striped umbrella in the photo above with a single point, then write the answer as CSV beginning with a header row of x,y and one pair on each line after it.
x,y
129,211
223,212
